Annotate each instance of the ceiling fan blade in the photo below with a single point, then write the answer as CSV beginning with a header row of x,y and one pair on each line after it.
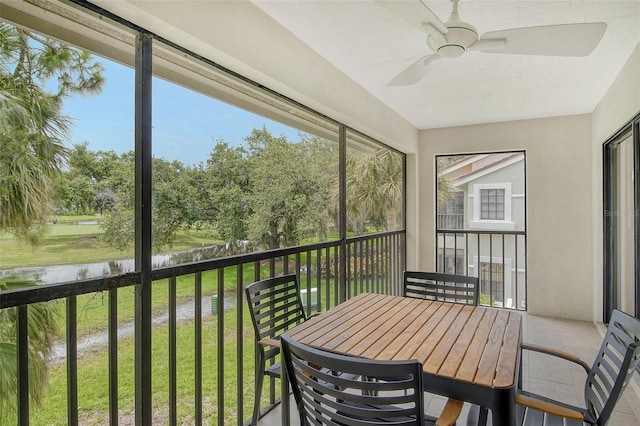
x,y
416,13
548,40
488,44
413,73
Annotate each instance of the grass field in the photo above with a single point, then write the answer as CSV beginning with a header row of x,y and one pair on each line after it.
x,y
92,365
68,242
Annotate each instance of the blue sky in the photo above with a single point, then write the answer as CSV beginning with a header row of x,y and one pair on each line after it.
x,y
185,123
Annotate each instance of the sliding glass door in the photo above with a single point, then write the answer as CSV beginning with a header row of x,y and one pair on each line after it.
x,y
621,269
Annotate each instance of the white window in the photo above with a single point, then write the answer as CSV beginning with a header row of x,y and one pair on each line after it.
x,y
492,204
492,207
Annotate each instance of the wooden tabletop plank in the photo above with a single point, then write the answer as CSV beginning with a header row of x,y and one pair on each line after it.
x,y
505,374
331,338
488,364
409,350
416,324
458,352
435,336
327,317
380,345
469,366
376,327
326,326
442,350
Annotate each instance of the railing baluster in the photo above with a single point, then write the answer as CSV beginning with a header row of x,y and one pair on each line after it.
x,y
22,361
173,392
347,257
455,253
367,269
504,267
516,298
221,334
197,343
310,284
319,278
297,270
492,299
72,361
389,258
113,357
478,264
466,248
361,268
240,345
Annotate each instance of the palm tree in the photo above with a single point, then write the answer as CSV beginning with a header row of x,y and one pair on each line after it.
x,y
42,330
375,185
33,129
445,189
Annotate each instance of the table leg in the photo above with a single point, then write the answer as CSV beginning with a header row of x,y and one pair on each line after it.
x,y
504,411
284,385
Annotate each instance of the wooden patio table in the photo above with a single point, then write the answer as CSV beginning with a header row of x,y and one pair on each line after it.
x,y
470,353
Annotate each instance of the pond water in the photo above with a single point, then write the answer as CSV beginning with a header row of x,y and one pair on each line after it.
x,y
72,272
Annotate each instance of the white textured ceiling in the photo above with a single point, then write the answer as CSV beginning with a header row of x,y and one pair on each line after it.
x,y
371,45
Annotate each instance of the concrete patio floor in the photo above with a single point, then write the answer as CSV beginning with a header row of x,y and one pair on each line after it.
x,y
543,374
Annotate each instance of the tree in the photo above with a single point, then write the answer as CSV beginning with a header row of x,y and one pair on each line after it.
x,y
226,191
289,192
33,129
374,188
42,330
175,202
445,189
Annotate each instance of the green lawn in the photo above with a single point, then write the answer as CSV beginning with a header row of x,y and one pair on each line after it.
x,y
93,380
66,242
92,365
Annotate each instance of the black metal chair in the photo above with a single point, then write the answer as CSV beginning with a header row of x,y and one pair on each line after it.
x,y
333,389
443,287
606,380
275,307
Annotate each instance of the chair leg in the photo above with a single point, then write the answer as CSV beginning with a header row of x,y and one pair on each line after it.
x,y
477,416
482,418
258,393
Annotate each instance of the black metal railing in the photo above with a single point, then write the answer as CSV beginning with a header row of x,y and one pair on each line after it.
x,y
498,258
220,337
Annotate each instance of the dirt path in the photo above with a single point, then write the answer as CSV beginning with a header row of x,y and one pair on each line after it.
x,y
184,312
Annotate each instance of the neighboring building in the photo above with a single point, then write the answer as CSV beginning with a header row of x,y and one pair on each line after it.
x,y
488,211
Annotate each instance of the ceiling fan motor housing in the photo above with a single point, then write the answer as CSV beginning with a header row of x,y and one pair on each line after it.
x,y
458,39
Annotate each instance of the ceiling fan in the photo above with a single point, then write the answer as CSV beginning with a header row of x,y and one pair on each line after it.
x,y
454,37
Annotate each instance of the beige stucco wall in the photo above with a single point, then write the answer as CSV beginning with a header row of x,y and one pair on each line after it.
x,y
618,106
559,215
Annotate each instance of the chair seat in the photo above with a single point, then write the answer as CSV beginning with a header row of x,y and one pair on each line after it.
x,y
526,417
274,370
538,418
428,420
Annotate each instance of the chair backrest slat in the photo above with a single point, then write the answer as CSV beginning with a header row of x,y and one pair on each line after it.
x,y
333,389
443,287
275,307
617,359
